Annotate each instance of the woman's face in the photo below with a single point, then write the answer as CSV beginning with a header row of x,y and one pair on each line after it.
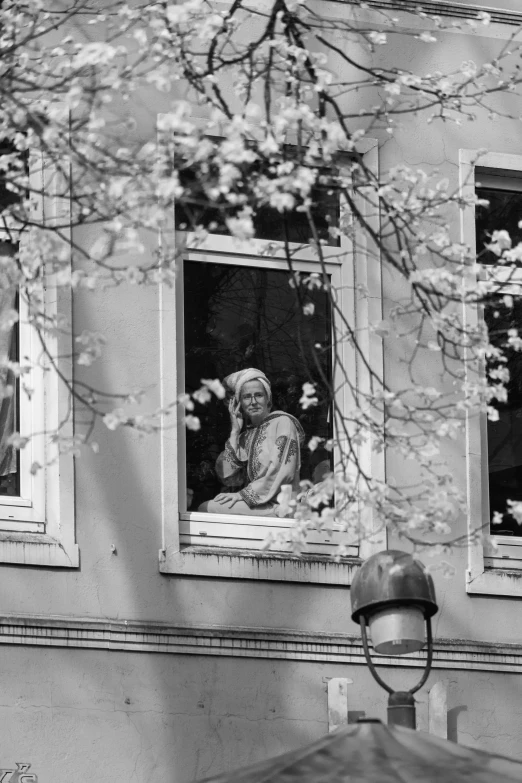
x,y
254,401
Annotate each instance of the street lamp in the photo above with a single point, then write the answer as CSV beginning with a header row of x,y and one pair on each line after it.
x,y
390,592
393,594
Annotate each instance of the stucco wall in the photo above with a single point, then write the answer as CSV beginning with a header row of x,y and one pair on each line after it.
x,y
79,715
75,714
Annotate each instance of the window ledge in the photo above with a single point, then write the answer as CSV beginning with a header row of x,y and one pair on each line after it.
x,y
496,581
38,550
249,564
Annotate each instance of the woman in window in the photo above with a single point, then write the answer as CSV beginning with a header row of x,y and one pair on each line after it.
x,y
259,459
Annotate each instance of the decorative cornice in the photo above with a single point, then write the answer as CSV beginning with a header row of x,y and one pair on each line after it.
x,y
131,636
442,8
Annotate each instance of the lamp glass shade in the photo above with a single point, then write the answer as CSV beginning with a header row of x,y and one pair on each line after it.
x,y
391,578
398,630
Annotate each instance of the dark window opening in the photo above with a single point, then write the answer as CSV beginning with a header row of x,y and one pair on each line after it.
x,y
236,317
505,435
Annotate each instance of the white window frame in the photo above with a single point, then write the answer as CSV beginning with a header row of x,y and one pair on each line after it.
x,y
194,542
38,527
490,571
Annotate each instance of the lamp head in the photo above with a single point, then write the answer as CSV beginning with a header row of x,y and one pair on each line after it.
x,y
395,595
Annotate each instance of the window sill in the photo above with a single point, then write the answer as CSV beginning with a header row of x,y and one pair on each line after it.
x,y
248,564
506,557
496,581
503,563
249,533
38,550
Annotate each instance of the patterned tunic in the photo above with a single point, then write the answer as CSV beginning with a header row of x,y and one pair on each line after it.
x,y
267,457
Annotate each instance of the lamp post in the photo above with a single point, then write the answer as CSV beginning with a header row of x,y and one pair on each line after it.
x,y
394,596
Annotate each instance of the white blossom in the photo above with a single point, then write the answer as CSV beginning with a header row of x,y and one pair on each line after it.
x,y
17,441
215,386
192,422
94,53
500,241
515,510
484,17
115,418
308,397
377,38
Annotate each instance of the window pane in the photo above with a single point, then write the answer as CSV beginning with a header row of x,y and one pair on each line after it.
x,y
238,317
504,212
9,350
505,435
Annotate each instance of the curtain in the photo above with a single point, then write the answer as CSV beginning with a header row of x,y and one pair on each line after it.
x,y
8,350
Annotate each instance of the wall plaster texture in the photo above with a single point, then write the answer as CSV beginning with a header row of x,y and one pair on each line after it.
x,y
121,715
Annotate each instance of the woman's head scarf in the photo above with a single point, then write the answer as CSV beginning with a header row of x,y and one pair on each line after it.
x,y
236,380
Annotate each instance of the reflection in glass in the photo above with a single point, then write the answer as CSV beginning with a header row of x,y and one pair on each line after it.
x,y
239,317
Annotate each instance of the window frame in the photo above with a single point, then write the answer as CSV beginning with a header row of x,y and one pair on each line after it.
x,y
196,528
490,571
245,559
38,528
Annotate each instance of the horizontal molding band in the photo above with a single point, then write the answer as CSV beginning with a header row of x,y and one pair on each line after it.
x,y
441,8
131,636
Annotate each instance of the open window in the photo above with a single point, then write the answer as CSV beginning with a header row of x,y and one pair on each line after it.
x,y
236,306
246,312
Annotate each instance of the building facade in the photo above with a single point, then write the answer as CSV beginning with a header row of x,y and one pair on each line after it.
x,y
141,640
